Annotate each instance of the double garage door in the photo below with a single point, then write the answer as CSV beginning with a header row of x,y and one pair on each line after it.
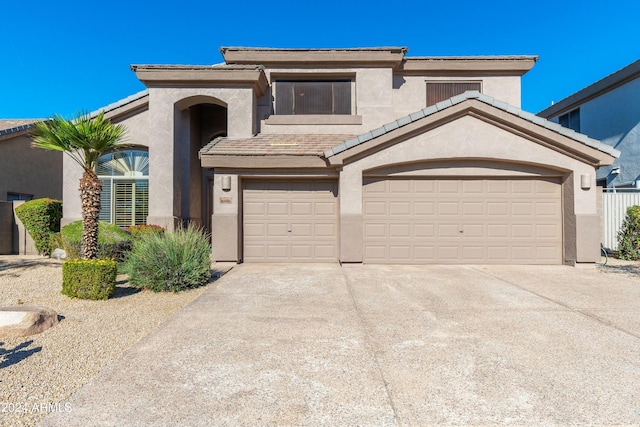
x,y
462,221
408,221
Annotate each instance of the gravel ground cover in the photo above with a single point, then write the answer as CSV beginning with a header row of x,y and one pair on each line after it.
x,y
39,373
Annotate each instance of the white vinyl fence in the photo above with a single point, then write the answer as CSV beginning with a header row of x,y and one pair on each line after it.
x,y
614,209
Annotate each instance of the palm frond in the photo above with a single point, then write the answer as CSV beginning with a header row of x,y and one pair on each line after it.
x,y
83,138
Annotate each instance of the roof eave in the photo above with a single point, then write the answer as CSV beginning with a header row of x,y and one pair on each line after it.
x,y
311,58
481,65
153,76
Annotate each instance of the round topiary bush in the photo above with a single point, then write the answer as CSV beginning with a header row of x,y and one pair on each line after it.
x,y
113,242
170,261
41,219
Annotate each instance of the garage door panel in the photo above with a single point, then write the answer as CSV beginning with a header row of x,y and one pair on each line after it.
x,y
399,187
277,208
424,230
448,208
375,208
325,208
399,230
463,221
285,221
275,230
400,208
448,230
373,230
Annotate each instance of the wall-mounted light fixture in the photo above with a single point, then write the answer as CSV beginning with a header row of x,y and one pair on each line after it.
x,y
226,183
585,181
615,171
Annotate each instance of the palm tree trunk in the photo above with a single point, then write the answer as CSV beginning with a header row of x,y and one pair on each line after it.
x,y
90,187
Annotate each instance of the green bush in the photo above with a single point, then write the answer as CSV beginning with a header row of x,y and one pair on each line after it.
x,y
89,279
629,235
113,242
173,261
41,218
141,230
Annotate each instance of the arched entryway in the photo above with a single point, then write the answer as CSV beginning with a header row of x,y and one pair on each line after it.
x,y
199,120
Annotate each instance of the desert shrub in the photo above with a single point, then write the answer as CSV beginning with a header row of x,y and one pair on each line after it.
x,y
89,279
113,242
142,230
629,235
41,218
172,261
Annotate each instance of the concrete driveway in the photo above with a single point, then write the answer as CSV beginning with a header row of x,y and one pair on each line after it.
x,y
384,345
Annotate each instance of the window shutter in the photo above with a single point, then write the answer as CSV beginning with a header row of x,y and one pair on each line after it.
x,y
313,97
123,194
440,91
105,200
141,201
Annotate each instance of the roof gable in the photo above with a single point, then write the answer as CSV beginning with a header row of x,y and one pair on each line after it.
x,y
490,109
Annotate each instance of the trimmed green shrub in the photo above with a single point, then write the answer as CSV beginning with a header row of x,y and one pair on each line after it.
x,y
89,278
629,235
113,241
173,261
141,230
41,218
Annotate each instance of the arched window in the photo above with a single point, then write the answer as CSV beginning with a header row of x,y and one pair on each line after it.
x,y
124,199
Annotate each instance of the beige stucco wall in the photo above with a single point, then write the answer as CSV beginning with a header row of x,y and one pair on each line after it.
x,y
411,93
28,170
170,122
473,139
380,97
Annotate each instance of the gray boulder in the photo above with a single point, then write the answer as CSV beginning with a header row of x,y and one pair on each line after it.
x,y
21,321
59,254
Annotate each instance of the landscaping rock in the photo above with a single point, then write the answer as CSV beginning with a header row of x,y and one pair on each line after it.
x,y
59,254
21,321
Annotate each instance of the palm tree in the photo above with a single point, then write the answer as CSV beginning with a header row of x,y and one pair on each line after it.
x,y
85,140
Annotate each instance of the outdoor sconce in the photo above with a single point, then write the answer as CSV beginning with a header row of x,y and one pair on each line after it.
x,y
585,181
226,183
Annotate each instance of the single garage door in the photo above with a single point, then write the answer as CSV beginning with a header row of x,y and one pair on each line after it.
x,y
290,221
462,221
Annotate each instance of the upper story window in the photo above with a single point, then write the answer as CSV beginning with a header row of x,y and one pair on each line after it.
x,y
305,97
440,91
124,199
571,120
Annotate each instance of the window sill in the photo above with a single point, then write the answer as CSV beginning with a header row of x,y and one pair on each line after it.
x,y
314,119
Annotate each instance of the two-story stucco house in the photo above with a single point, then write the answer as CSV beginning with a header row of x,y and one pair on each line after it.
x,y
353,156
608,110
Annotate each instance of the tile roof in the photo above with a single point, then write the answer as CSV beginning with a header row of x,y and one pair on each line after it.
x,y
459,99
274,144
124,101
15,125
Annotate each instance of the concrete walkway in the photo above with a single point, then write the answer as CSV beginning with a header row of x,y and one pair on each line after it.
x,y
384,345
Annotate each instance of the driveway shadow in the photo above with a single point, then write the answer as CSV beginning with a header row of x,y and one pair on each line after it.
x,y
621,269
16,354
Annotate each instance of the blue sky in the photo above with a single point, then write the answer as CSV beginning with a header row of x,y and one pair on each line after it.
x,y
65,56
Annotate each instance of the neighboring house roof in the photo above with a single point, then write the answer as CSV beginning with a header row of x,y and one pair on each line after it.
x,y
122,102
612,81
8,126
274,144
471,95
